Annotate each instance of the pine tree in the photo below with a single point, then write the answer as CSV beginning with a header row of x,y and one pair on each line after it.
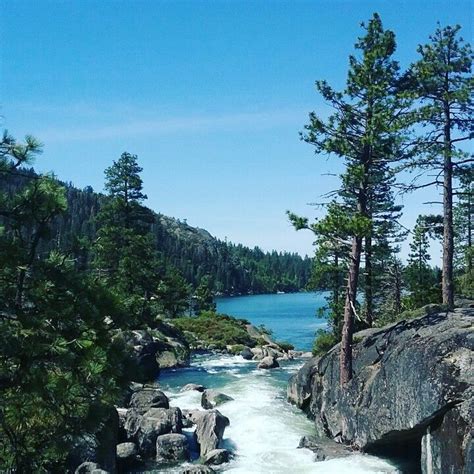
x,y
463,230
55,346
365,132
420,278
441,80
125,251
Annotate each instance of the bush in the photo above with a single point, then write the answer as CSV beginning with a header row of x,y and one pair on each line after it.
x,y
324,342
220,330
286,346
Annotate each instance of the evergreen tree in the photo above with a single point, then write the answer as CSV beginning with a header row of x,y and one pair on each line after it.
x,y
463,226
55,347
420,278
203,297
441,80
173,294
125,252
365,132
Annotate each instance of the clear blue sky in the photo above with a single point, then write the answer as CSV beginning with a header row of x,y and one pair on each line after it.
x,y
210,95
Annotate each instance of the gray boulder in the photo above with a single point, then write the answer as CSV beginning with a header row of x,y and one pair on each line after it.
x,y
197,469
127,457
126,450
411,392
268,363
216,457
300,385
145,429
90,468
144,399
98,447
193,386
247,353
257,353
172,447
212,398
210,426
324,449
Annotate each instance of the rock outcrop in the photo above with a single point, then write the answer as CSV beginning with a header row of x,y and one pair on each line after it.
x,y
163,347
411,392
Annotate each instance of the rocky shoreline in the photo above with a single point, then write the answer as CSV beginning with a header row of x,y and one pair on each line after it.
x,y
145,433
410,398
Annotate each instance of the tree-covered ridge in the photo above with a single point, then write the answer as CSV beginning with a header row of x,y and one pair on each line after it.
x,y
231,268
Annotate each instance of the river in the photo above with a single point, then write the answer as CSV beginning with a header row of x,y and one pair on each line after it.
x,y
264,429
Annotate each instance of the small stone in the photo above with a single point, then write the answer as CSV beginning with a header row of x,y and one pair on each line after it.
x,y
212,398
126,450
193,386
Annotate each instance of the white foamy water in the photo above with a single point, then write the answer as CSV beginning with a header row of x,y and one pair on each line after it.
x,y
264,429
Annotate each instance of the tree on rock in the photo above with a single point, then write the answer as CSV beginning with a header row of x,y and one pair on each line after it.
x,y
442,82
365,131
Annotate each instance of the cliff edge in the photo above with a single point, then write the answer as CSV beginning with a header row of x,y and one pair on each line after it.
x,y
411,395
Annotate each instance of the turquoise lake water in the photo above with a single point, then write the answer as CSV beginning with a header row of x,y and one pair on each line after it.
x,y
292,317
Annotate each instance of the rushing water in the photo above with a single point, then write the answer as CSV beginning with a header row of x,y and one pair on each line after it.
x,y
264,429
292,317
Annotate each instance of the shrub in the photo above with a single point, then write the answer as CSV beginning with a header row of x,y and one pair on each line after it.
x,y
323,342
220,330
286,346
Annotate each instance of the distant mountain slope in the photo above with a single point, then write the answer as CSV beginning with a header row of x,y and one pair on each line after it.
x,y
232,269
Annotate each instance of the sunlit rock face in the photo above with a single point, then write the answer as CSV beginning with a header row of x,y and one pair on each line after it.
x,y
411,393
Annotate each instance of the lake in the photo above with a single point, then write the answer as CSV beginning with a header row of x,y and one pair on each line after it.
x,y
292,317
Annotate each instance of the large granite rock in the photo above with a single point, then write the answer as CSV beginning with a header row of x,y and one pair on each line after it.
x,y
148,397
210,426
163,347
144,429
172,447
216,457
268,362
411,392
323,448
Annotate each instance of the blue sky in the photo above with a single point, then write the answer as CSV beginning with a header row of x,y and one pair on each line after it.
x,y
210,95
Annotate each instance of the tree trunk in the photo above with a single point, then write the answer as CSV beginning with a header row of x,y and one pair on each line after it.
x,y
369,276
469,230
448,234
349,308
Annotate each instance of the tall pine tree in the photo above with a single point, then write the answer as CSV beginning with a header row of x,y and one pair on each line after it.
x,y
365,131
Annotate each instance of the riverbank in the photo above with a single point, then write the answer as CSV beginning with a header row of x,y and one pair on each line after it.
x,y
264,430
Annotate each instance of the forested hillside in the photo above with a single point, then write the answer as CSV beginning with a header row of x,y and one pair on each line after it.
x,y
194,252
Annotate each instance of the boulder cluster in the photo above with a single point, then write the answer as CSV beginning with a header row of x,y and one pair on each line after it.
x,y
148,434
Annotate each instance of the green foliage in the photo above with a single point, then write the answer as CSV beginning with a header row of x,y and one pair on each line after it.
x,y
286,346
59,370
421,280
173,294
203,297
212,328
324,341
